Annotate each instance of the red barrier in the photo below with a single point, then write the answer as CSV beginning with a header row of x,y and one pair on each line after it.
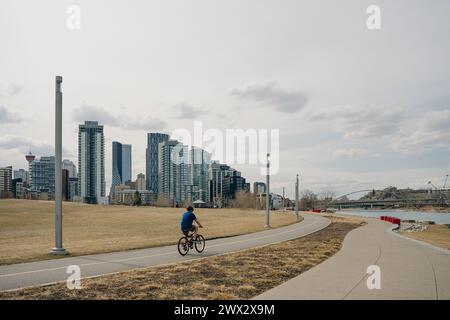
x,y
391,219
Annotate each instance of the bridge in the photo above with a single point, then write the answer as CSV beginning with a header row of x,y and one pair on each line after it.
x,y
399,201
369,204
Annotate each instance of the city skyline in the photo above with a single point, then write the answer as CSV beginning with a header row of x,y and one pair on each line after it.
x,y
307,75
191,178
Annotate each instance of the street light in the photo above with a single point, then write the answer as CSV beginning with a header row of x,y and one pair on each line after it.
x,y
268,193
296,198
58,249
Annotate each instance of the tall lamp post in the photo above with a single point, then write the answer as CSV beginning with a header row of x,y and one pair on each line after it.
x,y
58,249
268,193
296,198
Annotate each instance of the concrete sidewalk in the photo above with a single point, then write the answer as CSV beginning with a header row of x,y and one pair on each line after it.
x,y
49,271
409,269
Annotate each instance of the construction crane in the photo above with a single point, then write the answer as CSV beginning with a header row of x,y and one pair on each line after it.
x,y
445,181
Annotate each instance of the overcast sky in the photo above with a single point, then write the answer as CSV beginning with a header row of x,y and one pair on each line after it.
x,y
356,108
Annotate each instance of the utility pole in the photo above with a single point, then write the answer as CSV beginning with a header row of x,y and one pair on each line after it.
x,y
296,198
58,249
284,209
268,193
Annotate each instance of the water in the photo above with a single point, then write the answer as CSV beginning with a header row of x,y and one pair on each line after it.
x,y
439,218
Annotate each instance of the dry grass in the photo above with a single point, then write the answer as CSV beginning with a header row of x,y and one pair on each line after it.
x,y
240,275
436,234
27,227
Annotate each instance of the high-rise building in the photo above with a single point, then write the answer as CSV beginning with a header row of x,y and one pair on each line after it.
x,y
20,190
259,187
121,163
198,175
91,162
152,158
6,182
237,184
73,188
70,167
126,162
140,182
173,172
21,174
65,185
15,181
42,175
220,185
192,193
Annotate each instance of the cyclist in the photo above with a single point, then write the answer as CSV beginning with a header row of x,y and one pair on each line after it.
x,y
187,222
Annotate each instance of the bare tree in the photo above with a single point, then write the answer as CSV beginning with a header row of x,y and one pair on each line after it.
x,y
243,199
308,200
326,196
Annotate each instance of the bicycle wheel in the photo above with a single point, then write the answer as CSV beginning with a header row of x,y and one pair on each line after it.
x,y
200,243
183,246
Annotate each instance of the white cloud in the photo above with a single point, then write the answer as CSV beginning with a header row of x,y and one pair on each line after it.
x,y
359,122
433,131
7,116
350,153
192,54
270,94
25,145
10,90
105,117
186,111
14,89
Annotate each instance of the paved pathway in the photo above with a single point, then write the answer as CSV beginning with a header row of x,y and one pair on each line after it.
x,y
49,271
409,269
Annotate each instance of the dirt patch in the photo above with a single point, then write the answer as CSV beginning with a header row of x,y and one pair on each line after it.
x,y
240,275
438,235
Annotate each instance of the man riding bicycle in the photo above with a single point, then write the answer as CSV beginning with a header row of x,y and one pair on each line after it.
x,y
187,222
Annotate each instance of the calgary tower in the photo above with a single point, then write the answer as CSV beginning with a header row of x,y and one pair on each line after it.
x,y
30,158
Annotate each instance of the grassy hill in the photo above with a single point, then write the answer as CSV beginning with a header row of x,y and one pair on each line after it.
x,y
27,227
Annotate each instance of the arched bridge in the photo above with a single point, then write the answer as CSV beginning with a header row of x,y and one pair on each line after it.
x,y
341,202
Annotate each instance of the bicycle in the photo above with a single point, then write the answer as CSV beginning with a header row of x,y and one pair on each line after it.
x,y
188,242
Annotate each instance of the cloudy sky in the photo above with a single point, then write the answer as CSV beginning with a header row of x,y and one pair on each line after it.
x,y
356,108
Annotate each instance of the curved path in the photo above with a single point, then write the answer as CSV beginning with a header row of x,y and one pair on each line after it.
x,y
50,271
409,269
